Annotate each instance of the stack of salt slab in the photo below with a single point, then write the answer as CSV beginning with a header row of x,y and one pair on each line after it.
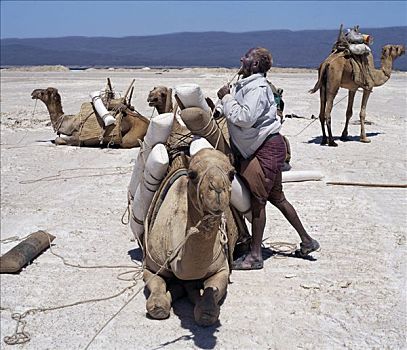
x,y
149,169
198,118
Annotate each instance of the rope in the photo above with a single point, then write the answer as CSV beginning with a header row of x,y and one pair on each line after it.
x,y
58,175
282,249
26,131
20,336
317,118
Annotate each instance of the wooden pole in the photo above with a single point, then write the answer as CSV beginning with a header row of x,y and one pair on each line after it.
x,y
109,85
128,90
367,184
130,96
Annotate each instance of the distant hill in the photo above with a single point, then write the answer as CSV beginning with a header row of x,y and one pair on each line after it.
x,y
302,49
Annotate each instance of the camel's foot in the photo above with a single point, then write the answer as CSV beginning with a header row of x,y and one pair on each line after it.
x,y
158,306
324,140
66,141
332,143
60,141
207,310
365,140
344,137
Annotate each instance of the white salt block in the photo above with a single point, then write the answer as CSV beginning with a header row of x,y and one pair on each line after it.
x,y
191,96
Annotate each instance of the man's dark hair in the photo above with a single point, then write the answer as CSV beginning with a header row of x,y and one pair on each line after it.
x,y
264,57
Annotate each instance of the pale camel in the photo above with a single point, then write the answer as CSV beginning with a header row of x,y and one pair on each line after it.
x,y
186,241
337,72
68,127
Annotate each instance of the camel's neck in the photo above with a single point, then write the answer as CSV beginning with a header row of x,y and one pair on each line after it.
x,y
55,111
380,76
201,248
167,106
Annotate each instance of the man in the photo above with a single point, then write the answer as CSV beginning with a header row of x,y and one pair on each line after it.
x,y
254,126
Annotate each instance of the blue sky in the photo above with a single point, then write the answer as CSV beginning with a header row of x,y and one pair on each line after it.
x,y
39,19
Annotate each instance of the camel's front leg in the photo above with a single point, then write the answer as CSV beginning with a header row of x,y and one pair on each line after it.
x,y
363,137
207,309
67,140
349,112
159,302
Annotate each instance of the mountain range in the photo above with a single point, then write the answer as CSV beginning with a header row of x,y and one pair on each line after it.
x,y
301,49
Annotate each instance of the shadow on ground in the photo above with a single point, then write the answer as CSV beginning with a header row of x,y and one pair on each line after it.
x,y
317,140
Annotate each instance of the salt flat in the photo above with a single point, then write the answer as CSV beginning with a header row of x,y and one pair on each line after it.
x,y
352,296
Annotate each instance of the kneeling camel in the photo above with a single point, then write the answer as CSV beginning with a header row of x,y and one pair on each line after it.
x,y
187,239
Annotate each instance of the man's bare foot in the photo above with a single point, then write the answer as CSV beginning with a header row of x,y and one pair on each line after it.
x,y
247,262
307,248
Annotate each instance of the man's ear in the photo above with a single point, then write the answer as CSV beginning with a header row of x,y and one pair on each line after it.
x,y
255,67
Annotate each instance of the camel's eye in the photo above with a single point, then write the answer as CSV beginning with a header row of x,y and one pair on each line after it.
x,y
231,175
193,175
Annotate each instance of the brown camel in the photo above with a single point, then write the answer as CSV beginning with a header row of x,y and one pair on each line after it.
x,y
337,72
187,239
161,99
133,125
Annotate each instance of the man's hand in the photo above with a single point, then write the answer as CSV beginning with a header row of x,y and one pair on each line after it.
x,y
224,90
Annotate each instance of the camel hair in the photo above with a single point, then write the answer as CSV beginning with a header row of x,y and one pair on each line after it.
x,y
133,125
336,72
186,242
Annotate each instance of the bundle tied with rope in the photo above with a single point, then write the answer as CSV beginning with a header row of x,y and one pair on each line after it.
x,y
354,46
92,126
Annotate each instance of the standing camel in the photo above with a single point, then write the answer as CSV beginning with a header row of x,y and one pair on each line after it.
x,y
337,72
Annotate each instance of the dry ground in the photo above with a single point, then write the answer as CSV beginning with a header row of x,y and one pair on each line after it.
x,y
353,295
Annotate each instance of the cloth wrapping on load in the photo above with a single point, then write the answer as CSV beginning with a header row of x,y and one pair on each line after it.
x,y
93,127
362,67
201,123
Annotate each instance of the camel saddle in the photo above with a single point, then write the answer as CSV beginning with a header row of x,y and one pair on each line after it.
x,y
92,126
362,65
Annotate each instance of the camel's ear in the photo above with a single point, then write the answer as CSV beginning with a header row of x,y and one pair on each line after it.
x,y
193,175
210,103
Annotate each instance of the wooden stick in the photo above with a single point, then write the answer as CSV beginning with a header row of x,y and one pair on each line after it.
x,y
109,84
130,96
367,184
180,104
128,90
340,32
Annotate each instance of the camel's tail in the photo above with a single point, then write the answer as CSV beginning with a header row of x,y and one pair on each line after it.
x,y
321,75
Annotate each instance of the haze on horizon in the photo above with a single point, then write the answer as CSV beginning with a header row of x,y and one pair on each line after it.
x,y
42,19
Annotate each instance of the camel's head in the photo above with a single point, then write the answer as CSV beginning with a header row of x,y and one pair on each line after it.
x,y
210,176
158,97
48,96
393,51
